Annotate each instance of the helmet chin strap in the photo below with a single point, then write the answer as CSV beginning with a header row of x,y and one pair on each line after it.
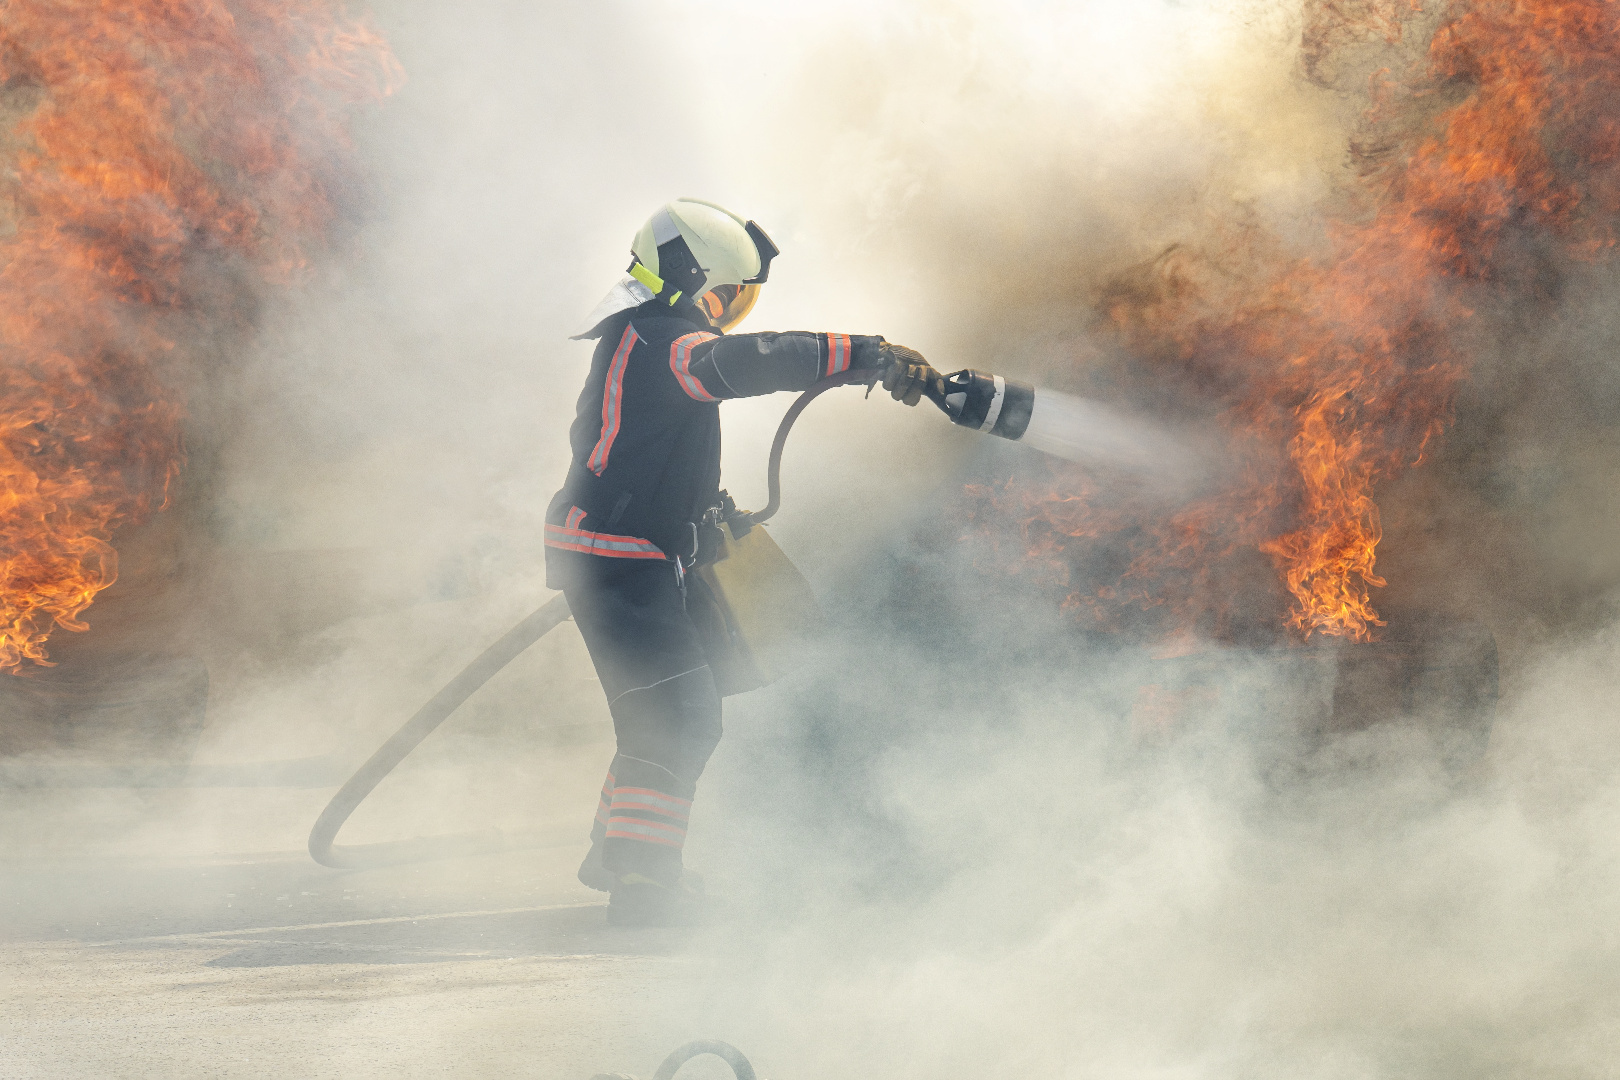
x,y
683,276
639,271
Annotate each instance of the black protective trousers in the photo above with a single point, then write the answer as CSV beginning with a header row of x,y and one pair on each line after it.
x,y
661,691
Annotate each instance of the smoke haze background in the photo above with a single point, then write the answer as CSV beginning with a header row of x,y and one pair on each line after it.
x,y
955,847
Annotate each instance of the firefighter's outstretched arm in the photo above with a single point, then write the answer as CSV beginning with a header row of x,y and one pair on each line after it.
x,y
747,365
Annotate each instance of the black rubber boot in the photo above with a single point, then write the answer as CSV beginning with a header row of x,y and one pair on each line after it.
x,y
637,900
592,874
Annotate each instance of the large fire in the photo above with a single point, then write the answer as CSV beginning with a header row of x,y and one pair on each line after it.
x,y
1501,151
155,148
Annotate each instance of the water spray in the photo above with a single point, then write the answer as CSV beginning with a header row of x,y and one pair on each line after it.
x,y
1064,426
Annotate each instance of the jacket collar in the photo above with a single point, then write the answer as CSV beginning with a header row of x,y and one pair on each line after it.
x,y
657,309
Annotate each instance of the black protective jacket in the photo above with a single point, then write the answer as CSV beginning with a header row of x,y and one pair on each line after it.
x,y
646,431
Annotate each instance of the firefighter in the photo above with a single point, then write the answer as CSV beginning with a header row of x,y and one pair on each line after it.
x,y
632,518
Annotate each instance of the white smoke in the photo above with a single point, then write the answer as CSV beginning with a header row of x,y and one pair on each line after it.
x,y
952,850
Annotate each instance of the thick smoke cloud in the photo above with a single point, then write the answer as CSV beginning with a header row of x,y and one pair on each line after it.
x,y
964,840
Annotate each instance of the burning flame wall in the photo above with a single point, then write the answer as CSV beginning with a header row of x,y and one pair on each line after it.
x,y
162,157
1495,155
165,154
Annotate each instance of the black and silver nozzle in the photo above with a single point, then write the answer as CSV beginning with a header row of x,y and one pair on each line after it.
x,y
985,402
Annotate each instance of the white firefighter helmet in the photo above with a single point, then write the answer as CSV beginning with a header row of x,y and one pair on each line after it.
x,y
695,251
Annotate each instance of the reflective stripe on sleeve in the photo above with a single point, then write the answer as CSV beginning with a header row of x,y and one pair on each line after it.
x,y
837,353
680,360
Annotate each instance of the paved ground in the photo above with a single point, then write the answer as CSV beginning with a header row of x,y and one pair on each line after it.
x,y
125,952
282,972
1365,919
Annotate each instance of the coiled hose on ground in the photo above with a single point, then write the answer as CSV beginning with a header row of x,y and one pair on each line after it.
x,y
427,719
740,1068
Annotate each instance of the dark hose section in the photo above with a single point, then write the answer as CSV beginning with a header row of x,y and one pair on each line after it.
x,y
773,471
406,739
725,1051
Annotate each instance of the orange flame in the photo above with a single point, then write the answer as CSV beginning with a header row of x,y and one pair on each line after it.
x,y
160,147
1336,374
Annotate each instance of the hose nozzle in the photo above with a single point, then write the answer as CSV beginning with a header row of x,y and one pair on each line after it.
x,y
985,402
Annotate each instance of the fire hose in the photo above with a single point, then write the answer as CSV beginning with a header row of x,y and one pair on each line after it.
x,y
439,708
740,1068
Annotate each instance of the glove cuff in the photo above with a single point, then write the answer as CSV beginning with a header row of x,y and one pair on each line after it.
x,y
866,352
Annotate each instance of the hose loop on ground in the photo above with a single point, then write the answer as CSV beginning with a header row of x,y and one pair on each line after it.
x,y
740,1067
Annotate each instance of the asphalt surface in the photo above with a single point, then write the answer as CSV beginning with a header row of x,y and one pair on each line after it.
x,y
125,951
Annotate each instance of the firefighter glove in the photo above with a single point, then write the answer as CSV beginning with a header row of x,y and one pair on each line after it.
x,y
907,376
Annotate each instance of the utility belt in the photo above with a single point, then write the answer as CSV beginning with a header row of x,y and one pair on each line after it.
x,y
752,608
695,542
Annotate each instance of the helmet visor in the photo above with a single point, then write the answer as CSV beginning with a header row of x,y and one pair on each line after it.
x,y
728,305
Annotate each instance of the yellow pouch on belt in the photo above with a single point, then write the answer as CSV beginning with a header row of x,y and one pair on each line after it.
x,y
761,615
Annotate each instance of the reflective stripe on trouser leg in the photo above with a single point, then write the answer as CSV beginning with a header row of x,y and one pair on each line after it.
x,y
666,709
648,816
666,733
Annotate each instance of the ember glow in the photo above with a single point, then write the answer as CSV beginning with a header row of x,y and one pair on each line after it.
x,y
157,153
1497,154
